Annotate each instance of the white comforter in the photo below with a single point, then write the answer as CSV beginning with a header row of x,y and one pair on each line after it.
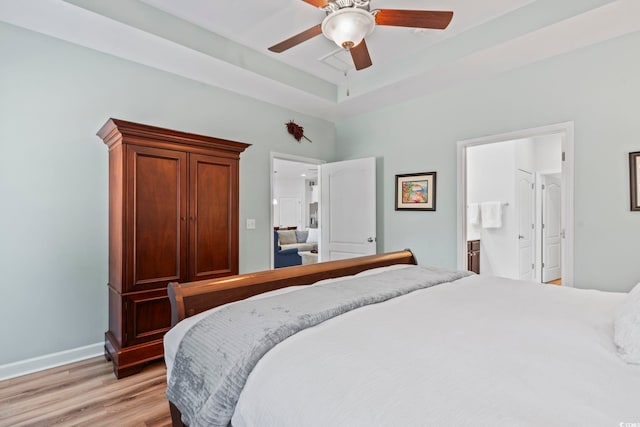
x,y
481,351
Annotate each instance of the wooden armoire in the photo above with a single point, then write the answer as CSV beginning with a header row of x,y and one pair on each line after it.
x,y
173,217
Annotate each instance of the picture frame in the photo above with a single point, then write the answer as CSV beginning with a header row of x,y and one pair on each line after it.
x,y
416,192
634,176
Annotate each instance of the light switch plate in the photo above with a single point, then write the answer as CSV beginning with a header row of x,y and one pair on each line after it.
x,y
251,224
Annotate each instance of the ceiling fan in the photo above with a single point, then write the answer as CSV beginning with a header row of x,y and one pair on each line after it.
x,y
349,21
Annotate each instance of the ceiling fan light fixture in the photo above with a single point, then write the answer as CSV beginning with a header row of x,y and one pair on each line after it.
x,y
348,26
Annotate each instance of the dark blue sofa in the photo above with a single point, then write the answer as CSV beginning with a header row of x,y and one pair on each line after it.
x,y
284,257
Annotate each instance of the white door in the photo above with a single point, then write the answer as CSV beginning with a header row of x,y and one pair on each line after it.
x,y
551,228
290,212
347,209
525,208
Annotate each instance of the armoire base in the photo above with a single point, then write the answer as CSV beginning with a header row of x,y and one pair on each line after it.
x,y
130,360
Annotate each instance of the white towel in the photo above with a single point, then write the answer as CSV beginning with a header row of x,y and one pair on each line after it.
x,y
474,214
491,214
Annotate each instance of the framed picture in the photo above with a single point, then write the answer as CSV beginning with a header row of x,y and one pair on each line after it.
x,y
416,192
634,174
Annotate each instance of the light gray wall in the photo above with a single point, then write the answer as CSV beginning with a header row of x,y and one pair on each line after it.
x,y
54,96
548,153
598,88
53,169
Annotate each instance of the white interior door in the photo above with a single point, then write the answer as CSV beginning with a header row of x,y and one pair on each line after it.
x,y
290,210
347,209
551,228
525,208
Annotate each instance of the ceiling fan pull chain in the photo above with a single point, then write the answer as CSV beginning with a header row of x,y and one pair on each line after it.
x,y
347,78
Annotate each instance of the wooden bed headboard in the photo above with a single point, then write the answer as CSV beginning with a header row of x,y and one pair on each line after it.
x,y
188,299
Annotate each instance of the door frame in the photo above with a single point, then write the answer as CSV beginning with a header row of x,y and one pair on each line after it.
x,y
566,131
282,156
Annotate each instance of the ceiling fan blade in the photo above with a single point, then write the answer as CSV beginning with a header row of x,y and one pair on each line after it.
x,y
414,18
360,55
297,39
317,3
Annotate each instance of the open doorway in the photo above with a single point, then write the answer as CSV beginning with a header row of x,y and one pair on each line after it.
x,y
323,217
295,204
523,184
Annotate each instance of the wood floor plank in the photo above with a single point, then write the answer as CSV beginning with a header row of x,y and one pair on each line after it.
x,y
86,393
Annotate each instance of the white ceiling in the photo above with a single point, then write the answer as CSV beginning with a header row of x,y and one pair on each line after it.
x,y
260,24
224,44
291,169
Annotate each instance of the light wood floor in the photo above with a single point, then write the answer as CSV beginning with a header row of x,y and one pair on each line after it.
x,y
556,282
86,393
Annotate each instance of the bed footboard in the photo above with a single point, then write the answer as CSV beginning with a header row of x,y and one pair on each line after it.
x,y
188,299
176,416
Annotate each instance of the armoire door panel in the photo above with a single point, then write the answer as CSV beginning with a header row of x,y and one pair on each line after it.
x,y
157,217
212,205
146,316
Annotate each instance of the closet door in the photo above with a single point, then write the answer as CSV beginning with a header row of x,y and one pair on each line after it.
x,y
213,216
156,222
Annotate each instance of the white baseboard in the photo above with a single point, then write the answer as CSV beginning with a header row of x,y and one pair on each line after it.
x,y
23,367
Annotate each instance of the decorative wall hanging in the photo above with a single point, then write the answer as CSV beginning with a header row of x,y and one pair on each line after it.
x,y
416,192
634,175
296,130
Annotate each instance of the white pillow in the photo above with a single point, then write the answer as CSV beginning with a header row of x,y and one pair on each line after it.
x,y
313,235
626,327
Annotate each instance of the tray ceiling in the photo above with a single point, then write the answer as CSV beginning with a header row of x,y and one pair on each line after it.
x,y
225,44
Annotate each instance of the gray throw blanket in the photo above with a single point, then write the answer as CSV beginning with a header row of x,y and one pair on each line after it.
x,y
219,352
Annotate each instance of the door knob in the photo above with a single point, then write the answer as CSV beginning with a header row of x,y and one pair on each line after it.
x,y
370,239
520,236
